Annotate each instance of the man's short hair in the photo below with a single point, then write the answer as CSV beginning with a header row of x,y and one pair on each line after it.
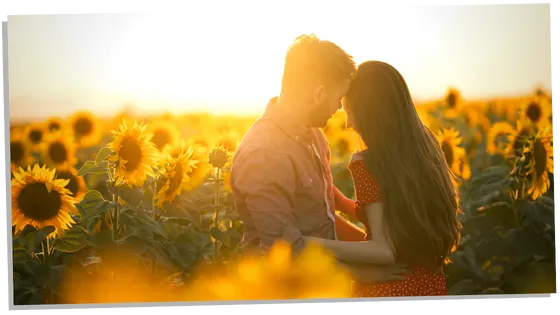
x,y
310,60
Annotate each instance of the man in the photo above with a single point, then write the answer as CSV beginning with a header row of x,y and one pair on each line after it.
x,y
280,177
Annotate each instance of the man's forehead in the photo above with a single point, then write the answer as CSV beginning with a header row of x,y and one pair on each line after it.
x,y
344,86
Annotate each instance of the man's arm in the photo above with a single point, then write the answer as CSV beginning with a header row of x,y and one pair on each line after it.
x,y
374,274
347,231
266,180
344,204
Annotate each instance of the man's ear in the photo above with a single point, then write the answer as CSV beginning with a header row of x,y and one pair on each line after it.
x,y
320,94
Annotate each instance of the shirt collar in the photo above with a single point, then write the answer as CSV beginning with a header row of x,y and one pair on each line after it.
x,y
287,121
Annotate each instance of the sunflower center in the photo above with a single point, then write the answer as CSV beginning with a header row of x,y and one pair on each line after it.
x,y
54,126
451,100
16,151
35,136
37,203
540,157
131,152
176,180
534,112
448,151
161,138
520,141
83,126
58,153
343,146
500,138
72,184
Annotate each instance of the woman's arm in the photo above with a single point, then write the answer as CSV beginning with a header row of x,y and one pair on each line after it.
x,y
344,204
375,251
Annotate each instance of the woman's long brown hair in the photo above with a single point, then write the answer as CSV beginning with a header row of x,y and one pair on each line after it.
x,y
419,192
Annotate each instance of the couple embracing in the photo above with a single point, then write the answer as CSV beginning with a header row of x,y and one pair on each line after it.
x,y
406,195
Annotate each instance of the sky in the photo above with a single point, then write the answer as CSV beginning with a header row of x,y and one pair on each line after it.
x,y
226,62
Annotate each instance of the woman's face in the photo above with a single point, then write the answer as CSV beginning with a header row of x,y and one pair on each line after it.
x,y
349,114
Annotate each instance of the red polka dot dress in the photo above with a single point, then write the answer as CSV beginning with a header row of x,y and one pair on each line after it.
x,y
421,282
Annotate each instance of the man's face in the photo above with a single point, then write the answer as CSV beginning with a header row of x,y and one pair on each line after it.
x,y
327,99
349,114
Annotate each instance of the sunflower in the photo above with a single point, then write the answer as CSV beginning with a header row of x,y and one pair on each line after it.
x,y
424,116
517,140
174,176
134,155
343,144
34,134
54,124
451,102
201,142
539,149
536,112
449,140
59,149
20,149
86,128
40,200
163,133
499,130
465,168
76,184
474,117
200,168
228,141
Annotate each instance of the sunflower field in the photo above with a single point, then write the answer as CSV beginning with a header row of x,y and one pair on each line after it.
x,y
136,209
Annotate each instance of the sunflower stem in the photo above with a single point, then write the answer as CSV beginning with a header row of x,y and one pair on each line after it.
x,y
115,217
519,196
45,247
217,204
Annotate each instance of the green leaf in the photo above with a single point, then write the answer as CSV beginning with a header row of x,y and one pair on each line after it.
x,y
131,195
156,250
182,254
19,252
42,274
463,287
86,168
72,241
132,244
102,155
33,239
146,225
231,239
544,214
92,196
191,215
217,234
101,240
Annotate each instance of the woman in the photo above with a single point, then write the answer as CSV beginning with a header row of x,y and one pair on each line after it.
x,y
406,194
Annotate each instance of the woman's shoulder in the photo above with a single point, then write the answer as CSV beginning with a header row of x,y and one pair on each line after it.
x,y
357,156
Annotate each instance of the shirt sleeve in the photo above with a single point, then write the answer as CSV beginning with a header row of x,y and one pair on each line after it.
x,y
266,182
367,188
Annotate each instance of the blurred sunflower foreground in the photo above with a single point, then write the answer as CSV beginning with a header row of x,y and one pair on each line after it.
x,y
273,276
276,276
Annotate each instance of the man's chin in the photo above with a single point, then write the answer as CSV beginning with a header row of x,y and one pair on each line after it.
x,y
320,123
316,124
